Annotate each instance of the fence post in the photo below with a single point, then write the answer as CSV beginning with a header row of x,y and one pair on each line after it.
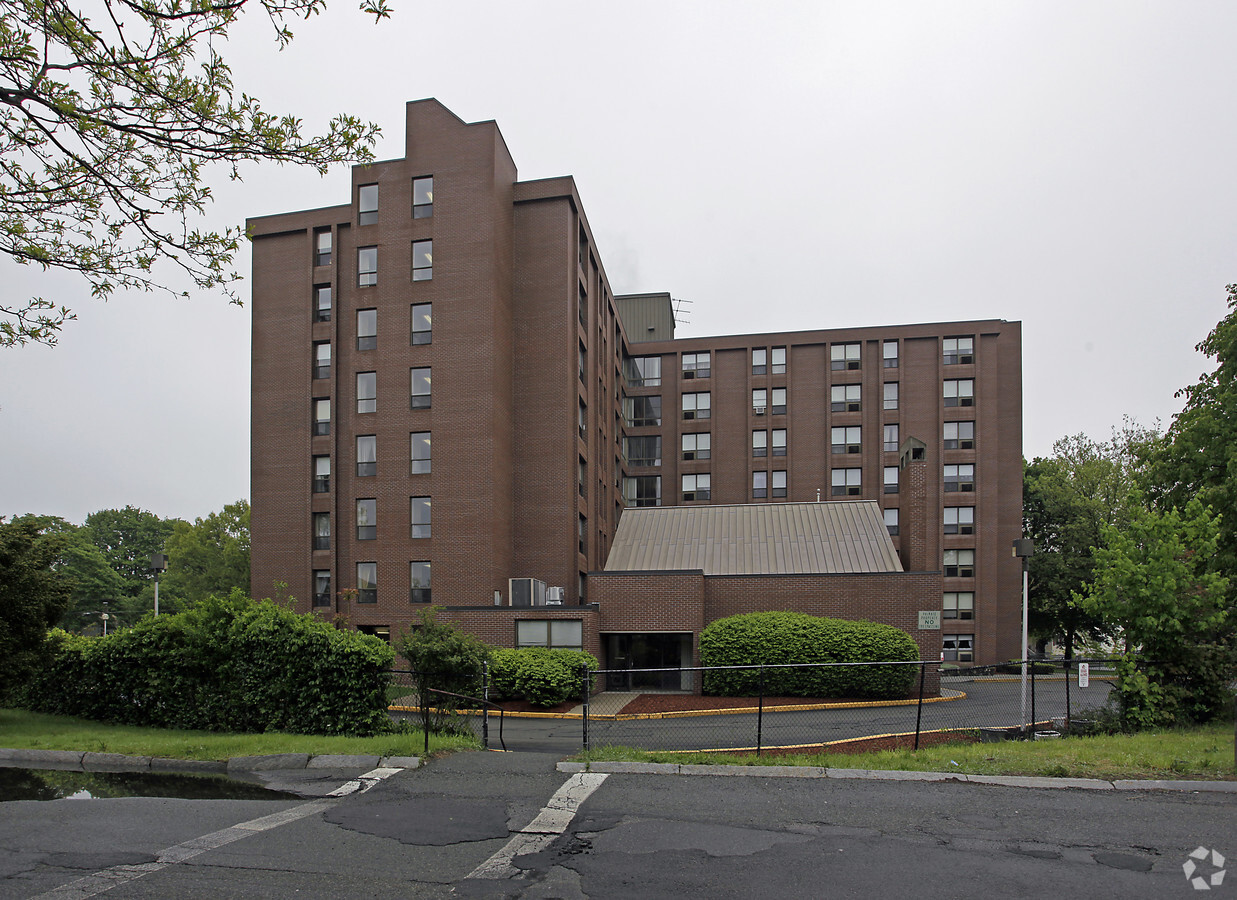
x,y
423,701
485,704
1067,708
1032,734
585,681
760,711
923,670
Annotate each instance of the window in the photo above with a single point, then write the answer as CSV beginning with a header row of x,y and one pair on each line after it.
x,y
643,450
322,303
582,477
322,474
366,455
642,490
760,358
890,353
696,446
322,531
582,249
696,406
582,535
891,439
322,246
366,266
322,359
322,587
959,520
696,365
422,323
959,605
958,350
639,411
366,392
642,371
419,582
367,582
891,395
847,482
760,443
367,329
567,634
845,398
960,392
582,366
582,419
779,441
423,197
779,402
582,306
891,479
696,487
760,485
844,356
760,401
958,648
367,519
420,452
891,521
420,387
779,483
845,439
778,361
322,416
960,478
422,260
959,435
959,563
367,204
419,516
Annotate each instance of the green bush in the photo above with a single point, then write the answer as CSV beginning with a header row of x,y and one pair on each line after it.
x,y
540,676
778,638
227,664
447,666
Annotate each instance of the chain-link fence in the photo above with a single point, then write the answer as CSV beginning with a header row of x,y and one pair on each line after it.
x,y
446,703
989,703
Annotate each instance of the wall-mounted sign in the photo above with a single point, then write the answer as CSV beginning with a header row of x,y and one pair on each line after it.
x,y
929,620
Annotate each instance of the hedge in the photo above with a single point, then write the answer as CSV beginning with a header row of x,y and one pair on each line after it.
x,y
541,676
227,664
772,638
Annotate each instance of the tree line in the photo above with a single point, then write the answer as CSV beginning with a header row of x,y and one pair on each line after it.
x,y
1136,546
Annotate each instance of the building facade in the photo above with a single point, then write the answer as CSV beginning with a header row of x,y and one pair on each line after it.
x,y
447,395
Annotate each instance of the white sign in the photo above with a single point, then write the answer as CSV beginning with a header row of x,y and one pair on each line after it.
x,y
1084,674
929,620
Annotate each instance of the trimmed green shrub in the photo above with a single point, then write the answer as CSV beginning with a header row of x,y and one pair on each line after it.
x,y
227,664
779,638
542,677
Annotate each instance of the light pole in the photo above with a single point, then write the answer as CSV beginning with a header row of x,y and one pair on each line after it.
x,y
1024,549
158,563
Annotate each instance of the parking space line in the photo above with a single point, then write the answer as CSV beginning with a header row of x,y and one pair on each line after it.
x,y
552,821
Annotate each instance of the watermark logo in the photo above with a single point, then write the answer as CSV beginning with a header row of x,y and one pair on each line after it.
x,y
1197,861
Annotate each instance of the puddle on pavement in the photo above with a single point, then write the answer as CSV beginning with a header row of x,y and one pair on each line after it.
x,y
55,784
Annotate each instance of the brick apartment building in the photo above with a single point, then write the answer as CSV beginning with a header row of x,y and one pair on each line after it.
x,y
447,395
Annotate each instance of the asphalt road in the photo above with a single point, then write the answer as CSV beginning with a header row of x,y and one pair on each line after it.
x,y
987,703
475,825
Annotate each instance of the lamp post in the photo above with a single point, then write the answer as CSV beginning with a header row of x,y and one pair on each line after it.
x,y
1024,549
158,563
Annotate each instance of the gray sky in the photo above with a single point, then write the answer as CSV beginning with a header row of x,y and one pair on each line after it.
x,y
781,165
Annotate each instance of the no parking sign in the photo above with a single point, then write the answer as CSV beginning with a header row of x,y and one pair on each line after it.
x,y
1084,674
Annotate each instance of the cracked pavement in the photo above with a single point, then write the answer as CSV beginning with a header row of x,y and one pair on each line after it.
x,y
429,832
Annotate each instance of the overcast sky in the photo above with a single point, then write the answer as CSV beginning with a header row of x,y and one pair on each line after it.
x,y
781,165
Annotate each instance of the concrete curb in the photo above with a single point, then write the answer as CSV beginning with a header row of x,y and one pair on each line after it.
x,y
77,760
1028,781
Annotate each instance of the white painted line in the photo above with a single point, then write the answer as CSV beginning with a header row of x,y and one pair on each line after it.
x,y
99,882
552,821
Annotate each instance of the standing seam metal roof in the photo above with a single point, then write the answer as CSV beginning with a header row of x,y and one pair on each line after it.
x,y
756,539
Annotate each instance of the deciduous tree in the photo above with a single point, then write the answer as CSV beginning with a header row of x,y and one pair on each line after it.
x,y
211,556
33,594
111,115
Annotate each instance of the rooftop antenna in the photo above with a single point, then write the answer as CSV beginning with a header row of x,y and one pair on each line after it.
x,y
680,314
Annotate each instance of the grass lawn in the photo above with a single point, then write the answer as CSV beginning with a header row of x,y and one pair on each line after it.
x,y
1205,752
26,730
